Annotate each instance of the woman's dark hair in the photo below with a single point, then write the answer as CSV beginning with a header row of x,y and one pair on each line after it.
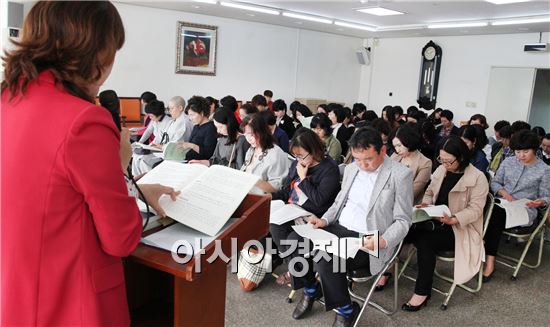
x,y
199,105
427,129
259,100
455,146
321,120
109,100
279,105
340,113
156,108
229,102
366,137
409,136
500,124
382,126
398,110
411,110
260,130
476,134
294,106
447,114
75,40
358,108
539,131
505,132
227,117
268,117
249,109
304,110
519,125
418,115
324,106
481,119
148,96
309,141
525,140
370,115
268,93
211,101
331,106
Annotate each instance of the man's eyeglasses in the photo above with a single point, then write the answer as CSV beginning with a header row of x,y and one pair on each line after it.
x,y
445,162
302,158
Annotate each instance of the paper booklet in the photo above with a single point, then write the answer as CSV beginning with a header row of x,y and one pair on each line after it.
x,y
516,212
429,212
343,247
209,195
282,213
146,147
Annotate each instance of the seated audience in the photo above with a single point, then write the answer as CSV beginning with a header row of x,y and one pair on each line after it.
x,y
406,142
268,95
246,110
522,176
322,126
203,138
496,138
376,194
263,158
280,137
435,117
145,98
370,115
110,101
283,120
429,140
501,150
342,133
322,109
540,132
463,188
231,103
259,102
231,146
474,137
478,119
447,127
543,153
384,128
416,116
214,104
181,127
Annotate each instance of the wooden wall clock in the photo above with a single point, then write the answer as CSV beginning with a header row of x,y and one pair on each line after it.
x,y
429,76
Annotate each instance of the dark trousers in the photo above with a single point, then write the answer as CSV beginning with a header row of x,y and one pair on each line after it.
x,y
427,244
494,230
334,283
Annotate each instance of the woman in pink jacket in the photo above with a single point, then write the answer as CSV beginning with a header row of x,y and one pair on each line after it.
x,y
67,218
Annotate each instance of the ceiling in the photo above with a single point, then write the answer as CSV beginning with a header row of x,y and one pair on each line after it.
x,y
416,13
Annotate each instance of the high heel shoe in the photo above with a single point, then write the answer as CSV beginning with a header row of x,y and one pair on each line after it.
x,y
413,308
379,288
486,279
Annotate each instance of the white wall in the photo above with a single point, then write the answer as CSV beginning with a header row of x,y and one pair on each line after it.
x,y
465,69
540,106
251,57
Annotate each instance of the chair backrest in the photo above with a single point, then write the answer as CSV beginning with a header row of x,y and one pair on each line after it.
x,y
488,211
342,168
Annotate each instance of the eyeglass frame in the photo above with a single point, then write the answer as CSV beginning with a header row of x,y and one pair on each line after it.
x,y
445,162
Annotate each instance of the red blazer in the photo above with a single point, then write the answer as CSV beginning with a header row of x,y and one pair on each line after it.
x,y
66,217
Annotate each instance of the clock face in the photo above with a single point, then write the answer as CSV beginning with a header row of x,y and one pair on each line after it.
x,y
429,53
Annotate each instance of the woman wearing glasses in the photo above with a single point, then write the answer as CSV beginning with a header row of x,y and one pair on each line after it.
x,y
463,188
263,158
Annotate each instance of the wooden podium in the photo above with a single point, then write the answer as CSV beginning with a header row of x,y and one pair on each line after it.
x,y
162,292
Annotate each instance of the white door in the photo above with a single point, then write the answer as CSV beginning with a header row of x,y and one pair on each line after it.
x,y
509,95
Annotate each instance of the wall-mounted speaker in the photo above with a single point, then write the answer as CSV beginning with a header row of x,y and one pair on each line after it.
x,y
363,56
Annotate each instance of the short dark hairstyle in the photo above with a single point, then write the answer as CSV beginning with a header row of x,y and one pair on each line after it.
x,y
249,109
382,126
227,117
321,120
519,125
331,106
427,129
481,119
524,140
260,129
418,115
500,124
370,115
408,134
268,117
547,136
505,131
455,146
398,110
539,131
323,105
156,108
366,137
259,100
411,110
304,110
268,93
229,102
109,100
340,113
476,134
199,105
148,96
358,108
309,141
279,105
211,101
447,114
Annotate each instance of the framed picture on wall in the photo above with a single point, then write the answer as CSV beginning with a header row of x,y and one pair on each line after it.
x,y
196,49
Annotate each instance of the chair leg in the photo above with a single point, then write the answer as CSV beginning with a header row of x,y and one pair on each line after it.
x,y
290,297
521,261
448,297
406,263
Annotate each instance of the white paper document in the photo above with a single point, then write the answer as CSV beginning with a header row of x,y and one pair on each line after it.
x,y
209,195
516,212
146,147
429,212
282,213
344,247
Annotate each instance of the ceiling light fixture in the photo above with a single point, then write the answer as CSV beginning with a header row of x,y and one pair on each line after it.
x,y
400,27
251,8
356,26
458,25
504,2
307,17
528,20
379,11
212,2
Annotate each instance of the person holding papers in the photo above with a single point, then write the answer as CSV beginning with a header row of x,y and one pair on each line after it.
x,y
181,127
376,194
263,158
203,138
67,218
463,188
522,176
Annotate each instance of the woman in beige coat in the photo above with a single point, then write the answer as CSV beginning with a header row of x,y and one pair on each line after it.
x,y
463,188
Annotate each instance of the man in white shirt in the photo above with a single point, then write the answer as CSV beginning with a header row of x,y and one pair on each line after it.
x,y
376,195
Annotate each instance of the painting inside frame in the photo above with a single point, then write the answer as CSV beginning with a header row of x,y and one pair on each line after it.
x,y
196,49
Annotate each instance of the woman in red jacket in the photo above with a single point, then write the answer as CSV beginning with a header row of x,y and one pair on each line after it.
x,y
67,218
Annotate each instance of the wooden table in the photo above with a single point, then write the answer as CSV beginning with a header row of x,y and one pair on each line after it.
x,y
162,292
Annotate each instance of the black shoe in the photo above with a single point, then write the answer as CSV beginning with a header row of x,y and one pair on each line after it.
x,y
360,275
341,321
306,303
379,288
486,279
414,308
